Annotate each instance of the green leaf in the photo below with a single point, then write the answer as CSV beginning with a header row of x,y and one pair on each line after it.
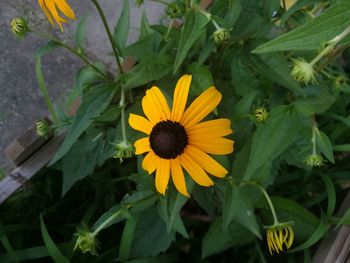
x,y
341,148
111,115
192,29
116,212
80,160
324,145
121,31
275,67
7,245
331,195
316,236
169,207
151,236
217,240
311,35
272,138
140,200
148,70
145,29
80,33
95,102
204,198
318,101
33,253
127,238
201,78
238,206
55,253
345,218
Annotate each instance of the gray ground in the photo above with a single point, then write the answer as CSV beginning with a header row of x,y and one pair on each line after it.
x,y
20,101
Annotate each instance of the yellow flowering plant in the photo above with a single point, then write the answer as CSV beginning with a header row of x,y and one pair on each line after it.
x,y
176,159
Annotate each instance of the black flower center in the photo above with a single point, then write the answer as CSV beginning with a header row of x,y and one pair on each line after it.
x,y
168,139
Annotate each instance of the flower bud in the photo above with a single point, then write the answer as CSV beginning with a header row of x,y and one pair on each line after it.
x,y
303,71
314,160
279,236
221,36
86,241
19,27
173,10
123,150
261,114
43,129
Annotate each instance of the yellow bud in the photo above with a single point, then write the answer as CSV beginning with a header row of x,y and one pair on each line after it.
x,y
19,27
261,114
279,236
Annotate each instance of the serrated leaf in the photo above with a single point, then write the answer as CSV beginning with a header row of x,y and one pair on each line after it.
x,y
272,138
192,29
121,30
54,252
110,115
312,34
93,104
148,70
217,240
324,145
237,205
151,236
275,67
318,101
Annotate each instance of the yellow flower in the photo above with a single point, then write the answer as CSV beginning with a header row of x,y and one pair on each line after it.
x,y
279,235
50,9
177,139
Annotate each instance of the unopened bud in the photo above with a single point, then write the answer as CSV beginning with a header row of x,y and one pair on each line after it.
x,y
221,35
261,114
123,150
303,71
19,27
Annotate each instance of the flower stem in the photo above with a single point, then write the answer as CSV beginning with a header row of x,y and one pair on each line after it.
x,y
331,44
74,51
313,139
111,39
122,114
268,199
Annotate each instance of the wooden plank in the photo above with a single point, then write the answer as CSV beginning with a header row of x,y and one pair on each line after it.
x,y
336,247
19,176
25,145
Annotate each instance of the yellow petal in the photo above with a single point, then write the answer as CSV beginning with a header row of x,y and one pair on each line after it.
x,y
195,170
162,175
210,129
65,8
178,176
201,107
140,123
47,12
180,97
150,162
52,8
207,162
142,145
155,106
218,146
